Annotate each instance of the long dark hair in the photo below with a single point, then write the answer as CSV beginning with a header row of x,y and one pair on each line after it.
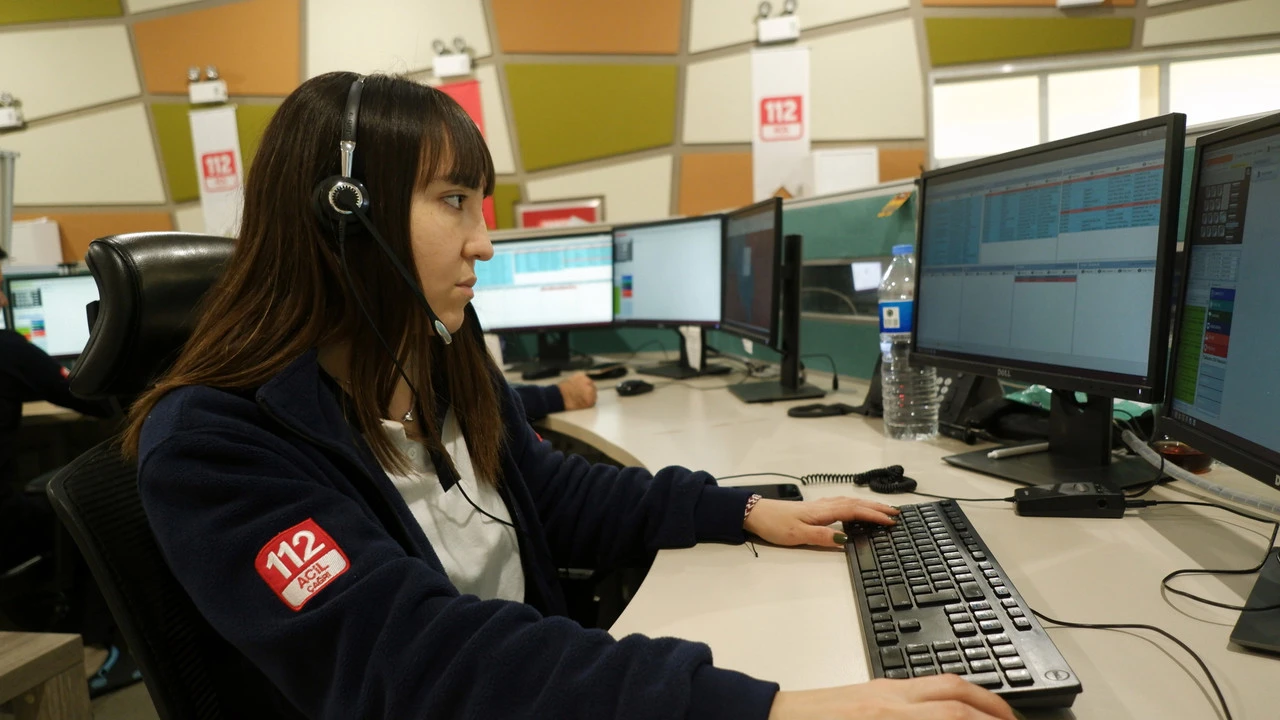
x,y
284,290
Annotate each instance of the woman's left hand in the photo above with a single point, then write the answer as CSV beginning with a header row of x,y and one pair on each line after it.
x,y
786,522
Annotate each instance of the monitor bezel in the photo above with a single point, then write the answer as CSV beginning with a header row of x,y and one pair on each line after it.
x,y
1244,455
1148,388
8,291
750,332
650,323
557,327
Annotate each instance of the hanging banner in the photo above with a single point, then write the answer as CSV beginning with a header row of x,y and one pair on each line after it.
x,y
467,94
219,168
780,109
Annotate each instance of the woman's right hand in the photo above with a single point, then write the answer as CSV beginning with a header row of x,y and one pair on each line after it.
x,y
941,697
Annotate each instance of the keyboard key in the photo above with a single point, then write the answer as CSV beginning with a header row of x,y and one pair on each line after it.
x,y
991,573
989,680
899,597
970,642
882,627
971,591
955,608
957,563
1001,639
990,627
878,602
1022,623
980,605
887,638
965,578
1001,592
1004,650
943,595
920,659
959,617
944,585
923,671
907,626
964,629
950,656
862,550
943,645
891,657
1011,662
1014,612
897,674
979,555
1009,603
956,668
985,615
977,653
985,566
921,589
876,589
881,617
1018,677
982,666
917,648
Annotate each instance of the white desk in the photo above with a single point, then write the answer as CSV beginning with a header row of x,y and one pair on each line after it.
x,y
790,615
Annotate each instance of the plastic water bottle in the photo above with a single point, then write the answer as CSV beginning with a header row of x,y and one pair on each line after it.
x,y
910,391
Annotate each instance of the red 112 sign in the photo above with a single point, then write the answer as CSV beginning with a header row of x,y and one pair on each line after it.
x,y
782,118
219,171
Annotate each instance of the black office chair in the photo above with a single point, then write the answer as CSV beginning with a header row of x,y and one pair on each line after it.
x,y
149,285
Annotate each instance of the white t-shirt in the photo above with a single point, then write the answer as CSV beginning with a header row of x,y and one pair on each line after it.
x,y
480,555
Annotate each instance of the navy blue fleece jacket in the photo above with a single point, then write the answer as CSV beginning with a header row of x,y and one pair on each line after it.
x,y
296,547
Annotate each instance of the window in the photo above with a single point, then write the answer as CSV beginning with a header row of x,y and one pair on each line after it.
x,y
1209,90
974,119
1081,102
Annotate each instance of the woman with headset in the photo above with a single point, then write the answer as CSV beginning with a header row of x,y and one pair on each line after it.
x,y
350,493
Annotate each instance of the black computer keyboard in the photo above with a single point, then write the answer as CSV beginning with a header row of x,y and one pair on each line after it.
x,y
934,600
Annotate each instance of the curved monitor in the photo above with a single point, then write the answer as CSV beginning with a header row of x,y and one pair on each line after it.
x,y
1053,264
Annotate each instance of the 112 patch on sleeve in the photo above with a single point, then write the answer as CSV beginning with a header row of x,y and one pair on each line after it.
x,y
300,562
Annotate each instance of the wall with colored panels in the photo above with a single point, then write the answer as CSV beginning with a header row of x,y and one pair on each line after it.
x,y
647,105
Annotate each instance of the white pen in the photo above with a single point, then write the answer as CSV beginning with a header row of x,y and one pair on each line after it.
x,y
1016,450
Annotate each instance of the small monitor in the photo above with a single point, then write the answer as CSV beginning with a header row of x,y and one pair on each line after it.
x,y
668,273
1054,265
1223,384
553,282
50,311
752,272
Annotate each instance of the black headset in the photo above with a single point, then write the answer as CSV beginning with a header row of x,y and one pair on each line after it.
x,y
339,198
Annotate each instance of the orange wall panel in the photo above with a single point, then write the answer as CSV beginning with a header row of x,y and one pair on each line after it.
x,y
714,181
612,27
1015,3
80,229
900,164
254,44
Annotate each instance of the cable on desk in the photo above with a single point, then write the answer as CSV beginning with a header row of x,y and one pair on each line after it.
x,y
1149,486
835,374
1226,712
946,497
759,474
1164,583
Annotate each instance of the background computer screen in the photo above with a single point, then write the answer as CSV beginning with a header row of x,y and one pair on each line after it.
x,y
752,255
549,282
1051,260
50,311
1225,382
668,272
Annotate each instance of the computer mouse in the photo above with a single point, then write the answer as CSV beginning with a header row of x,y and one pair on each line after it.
x,y
634,387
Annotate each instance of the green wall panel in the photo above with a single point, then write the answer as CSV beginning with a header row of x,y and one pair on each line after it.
x,y
851,229
505,197
570,113
173,127
13,12
955,41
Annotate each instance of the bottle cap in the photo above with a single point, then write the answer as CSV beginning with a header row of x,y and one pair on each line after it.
x,y
903,249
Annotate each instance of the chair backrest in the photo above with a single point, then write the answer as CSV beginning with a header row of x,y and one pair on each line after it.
x,y
149,287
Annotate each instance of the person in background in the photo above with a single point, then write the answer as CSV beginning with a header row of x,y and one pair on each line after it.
x,y
578,392
378,531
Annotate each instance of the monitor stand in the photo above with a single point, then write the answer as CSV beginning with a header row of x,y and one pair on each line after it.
x,y
554,355
682,369
1261,630
1079,450
788,386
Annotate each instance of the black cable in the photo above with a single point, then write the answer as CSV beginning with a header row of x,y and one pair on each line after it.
x,y
835,374
759,474
944,497
1149,486
1164,582
1226,712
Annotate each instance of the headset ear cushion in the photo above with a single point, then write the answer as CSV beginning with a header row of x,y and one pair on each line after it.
x,y
328,192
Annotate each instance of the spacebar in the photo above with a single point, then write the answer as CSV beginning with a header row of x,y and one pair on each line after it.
x,y
937,598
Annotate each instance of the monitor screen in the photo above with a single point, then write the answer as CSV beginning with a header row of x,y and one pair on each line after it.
x,y
1052,264
752,277
50,311
1224,384
668,272
559,281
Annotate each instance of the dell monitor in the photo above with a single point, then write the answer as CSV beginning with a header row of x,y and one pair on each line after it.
x,y
761,282
1053,265
50,311
548,285
667,275
1223,383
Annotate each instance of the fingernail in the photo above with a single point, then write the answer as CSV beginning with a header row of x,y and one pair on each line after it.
x,y
840,538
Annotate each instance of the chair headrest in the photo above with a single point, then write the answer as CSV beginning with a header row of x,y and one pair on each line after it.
x,y
149,285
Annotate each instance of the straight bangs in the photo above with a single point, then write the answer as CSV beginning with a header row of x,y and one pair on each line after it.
x,y
453,148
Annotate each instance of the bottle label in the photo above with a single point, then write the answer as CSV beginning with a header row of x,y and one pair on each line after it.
x,y
895,316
